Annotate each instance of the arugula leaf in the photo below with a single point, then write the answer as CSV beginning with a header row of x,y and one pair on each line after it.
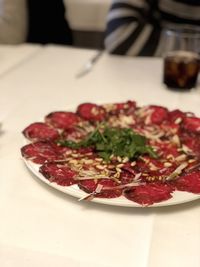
x,y
114,141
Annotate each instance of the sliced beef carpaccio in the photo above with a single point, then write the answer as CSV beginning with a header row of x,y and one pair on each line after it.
x,y
190,182
176,116
174,135
62,119
91,112
192,124
58,173
192,143
109,188
40,131
43,151
149,194
125,108
158,114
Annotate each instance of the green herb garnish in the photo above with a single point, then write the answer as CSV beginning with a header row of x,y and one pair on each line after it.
x,y
114,141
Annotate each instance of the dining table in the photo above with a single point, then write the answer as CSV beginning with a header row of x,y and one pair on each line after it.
x,y
10,58
42,226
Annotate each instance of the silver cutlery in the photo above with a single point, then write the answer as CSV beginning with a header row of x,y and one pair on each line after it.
x,y
87,67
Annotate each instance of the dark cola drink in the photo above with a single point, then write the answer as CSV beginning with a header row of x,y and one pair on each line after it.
x,y
181,70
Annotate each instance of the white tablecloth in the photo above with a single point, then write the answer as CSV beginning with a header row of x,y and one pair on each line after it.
x,y
41,226
11,56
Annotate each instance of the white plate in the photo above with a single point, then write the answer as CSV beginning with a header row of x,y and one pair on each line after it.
x,y
178,196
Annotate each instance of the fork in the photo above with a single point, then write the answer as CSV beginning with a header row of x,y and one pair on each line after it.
x,y
87,67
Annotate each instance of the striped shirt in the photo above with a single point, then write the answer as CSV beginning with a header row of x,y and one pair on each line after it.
x,y
134,27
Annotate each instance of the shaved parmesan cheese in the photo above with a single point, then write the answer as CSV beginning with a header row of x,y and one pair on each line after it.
x,y
177,171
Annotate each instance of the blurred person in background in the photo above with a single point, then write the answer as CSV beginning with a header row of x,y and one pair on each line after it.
x,y
47,22
34,21
13,21
134,27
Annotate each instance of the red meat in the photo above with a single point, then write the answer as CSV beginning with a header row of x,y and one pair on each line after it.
x,y
91,112
58,173
62,120
159,114
192,124
125,107
176,114
189,182
108,190
149,194
40,131
40,152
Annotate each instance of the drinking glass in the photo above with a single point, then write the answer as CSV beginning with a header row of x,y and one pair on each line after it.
x,y
181,50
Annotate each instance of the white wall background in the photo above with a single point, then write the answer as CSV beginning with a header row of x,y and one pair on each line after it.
x,y
88,15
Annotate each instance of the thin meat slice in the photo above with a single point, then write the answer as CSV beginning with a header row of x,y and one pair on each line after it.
x,y
108,188
189,183
149,194
192,124
121,108
167,149
40,131
127,176
91,112
58,173
127,107
40,152
62,119
191,141
176,116
158,115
